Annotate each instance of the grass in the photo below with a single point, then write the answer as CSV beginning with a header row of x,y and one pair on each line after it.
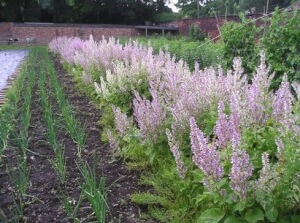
x,y
14,47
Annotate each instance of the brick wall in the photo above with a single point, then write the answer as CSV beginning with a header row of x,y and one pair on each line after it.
x,y
44,33
207,24
5,29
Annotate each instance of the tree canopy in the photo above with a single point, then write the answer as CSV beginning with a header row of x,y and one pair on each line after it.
x,y
188,8
125,11
82,11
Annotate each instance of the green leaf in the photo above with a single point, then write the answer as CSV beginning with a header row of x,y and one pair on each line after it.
x,y
239,206
233,219
254,215
272,214
213,215
295,218
198,175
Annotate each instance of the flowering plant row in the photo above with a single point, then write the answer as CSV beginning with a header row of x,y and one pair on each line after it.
x,y
234,143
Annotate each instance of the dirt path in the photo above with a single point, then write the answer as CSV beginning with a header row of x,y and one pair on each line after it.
x,y
9,61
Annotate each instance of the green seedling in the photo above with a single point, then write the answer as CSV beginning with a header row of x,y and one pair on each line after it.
x,y
95,191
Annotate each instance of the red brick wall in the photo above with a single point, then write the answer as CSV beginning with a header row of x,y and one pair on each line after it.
x,y
208,24
44,33
5,29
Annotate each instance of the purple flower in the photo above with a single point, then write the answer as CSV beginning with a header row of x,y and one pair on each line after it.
x,y
282,106
241,172
265,171
122,123
113,141
255,100
206,158
237,67
223,129
259,95
181,168
280,147
149,115
269,177
235,121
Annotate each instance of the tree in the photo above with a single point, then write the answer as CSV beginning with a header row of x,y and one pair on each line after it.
x,y
31,11
188,8
261,5
82,11
11,11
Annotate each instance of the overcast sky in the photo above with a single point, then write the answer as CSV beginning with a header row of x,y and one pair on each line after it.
x,y
171,5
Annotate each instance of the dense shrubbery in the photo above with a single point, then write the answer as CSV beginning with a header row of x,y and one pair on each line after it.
x,y
239,41
280,39
282,44
216,149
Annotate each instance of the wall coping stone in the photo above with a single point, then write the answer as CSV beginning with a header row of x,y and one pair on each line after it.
x,y
72,25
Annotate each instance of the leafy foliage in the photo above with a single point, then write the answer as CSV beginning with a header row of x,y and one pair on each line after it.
x,y
82,11
282,44
165,17
280,40
196,33
188,8
239,41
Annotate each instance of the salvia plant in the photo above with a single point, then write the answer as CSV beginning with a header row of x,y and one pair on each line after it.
x,y
234,142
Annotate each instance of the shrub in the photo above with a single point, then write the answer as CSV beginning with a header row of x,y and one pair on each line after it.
x,y
166,17
282,44
239,41
196,33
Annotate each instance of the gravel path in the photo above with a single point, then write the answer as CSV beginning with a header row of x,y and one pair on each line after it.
x,y
9,61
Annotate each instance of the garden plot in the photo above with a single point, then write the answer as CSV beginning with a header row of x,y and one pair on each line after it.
x,y
57,172
9,61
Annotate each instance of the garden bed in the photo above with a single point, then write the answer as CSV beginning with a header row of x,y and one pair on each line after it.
x,y
43,199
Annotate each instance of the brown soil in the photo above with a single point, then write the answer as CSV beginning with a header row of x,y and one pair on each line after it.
x,y
43,203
